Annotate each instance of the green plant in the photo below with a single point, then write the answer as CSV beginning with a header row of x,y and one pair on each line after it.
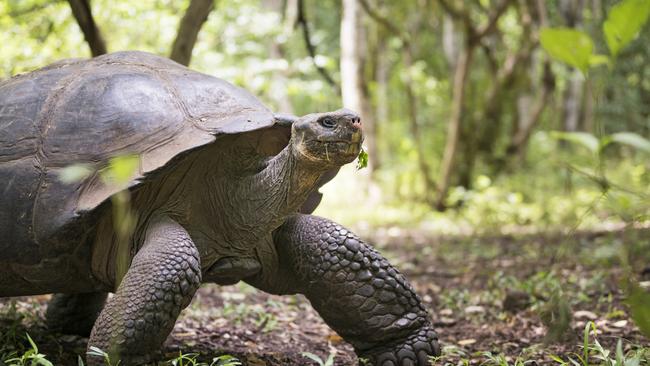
x,y
638,299
449,352
318,360
190,359
118,172
501,360
573,47
225,360
97,352
30,358
593,350
362,159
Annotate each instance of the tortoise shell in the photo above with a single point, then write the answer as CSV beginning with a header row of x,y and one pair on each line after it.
x,y
88,111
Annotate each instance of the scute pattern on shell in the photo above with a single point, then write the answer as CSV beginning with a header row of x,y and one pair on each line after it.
x,y
87,111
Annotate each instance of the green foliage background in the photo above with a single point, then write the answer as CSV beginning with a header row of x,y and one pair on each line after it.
x,y
553,184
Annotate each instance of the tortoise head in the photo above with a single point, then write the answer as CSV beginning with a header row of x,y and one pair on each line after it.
x,y
329,139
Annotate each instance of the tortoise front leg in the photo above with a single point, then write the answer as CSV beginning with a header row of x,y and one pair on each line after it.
x,y
356,291
162,279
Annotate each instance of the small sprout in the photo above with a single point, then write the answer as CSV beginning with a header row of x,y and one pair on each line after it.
x,y
121,168
75,173
362,159
318,360
97,352
225,360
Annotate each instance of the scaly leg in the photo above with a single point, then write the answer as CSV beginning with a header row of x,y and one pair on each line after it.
x,y
356,291
162,279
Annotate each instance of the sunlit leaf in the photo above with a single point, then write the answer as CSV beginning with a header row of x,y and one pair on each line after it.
x,y
632,139
624,22
32,343
597,60
121,168
75,173
585,139
569,46
314,358
362,159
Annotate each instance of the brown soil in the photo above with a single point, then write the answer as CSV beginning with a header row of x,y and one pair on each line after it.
x,y
464,281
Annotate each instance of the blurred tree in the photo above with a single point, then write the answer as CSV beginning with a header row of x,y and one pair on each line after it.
x,y
83,14
354,87
473,36
277,52
197,13
451,103
407,53
301,20
572,13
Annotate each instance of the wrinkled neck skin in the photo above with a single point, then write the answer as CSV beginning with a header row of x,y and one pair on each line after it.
x,y
278,190
249,199
284,184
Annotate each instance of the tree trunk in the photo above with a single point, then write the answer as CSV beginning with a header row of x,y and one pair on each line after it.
x,y
573,101
276,52
412,106
353,87
473,36
382,78
527,123
451,39
454,126
188,30
571,11
84,16
301,20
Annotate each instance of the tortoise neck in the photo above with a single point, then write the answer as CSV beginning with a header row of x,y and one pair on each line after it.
x,y
290,178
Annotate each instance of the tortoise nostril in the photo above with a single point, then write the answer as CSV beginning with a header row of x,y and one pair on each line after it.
x,y
356,122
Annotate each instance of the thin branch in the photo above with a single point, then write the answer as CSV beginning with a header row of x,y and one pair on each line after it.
x,y
488,27
384,21
188,30
301,20
458,14
522,135
15,13
492,60
541,11
605,184
83,14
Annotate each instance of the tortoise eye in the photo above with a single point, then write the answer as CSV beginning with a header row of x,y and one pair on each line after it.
x,y
328,122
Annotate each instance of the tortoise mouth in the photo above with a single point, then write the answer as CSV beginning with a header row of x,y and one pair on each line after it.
x,y
341,147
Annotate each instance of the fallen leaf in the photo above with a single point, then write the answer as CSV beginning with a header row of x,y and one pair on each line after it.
x,y
620,324
474,309
466,342
585,314
446,312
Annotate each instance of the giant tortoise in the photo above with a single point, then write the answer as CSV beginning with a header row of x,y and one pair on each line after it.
x,y
223,193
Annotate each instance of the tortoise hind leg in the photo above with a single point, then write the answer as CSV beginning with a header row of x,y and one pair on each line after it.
x,y
74,313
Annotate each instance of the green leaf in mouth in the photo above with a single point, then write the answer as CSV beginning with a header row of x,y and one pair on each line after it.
x,y
362,159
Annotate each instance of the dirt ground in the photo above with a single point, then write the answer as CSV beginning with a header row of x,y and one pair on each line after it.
x,y
492,299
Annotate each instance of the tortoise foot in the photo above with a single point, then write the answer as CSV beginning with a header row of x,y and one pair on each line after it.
x,y
416,350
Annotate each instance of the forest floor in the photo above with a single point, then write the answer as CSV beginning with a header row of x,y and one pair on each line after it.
x,y
498,300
